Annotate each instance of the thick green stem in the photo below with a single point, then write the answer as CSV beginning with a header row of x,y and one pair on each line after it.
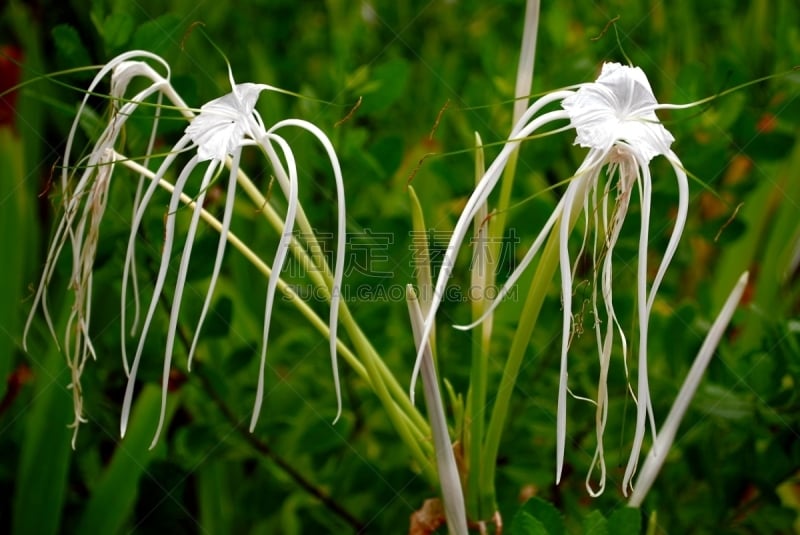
x,y
545,271
527,321
476,425
482,472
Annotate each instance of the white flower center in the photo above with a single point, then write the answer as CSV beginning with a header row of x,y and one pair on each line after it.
x,y
225,122
619,106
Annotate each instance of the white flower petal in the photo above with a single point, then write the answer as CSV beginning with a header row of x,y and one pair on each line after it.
x,y
227,215
280,257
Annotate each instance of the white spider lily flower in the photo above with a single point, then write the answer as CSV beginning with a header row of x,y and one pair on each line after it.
x,y
614,117
216,135
658,452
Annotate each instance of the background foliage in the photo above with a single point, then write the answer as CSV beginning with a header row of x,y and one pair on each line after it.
x,y
734,467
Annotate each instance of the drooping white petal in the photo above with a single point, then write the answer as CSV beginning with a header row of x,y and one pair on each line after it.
x,y
338,266
677,229
625,168
180,284
277,265
644,405
570,199
169,231
221,243
166,254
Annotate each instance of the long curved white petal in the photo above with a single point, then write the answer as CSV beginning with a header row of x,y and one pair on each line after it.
x,y
180,284
230,198
168,238
341,230
566,331
677,230
280,256
643,390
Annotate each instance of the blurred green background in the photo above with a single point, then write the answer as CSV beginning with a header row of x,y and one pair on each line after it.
x,y
736,462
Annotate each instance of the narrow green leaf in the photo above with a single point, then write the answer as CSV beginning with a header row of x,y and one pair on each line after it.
x,y
15,213
45,449
595,524
114,496
45,443
625,521
546,513
420,245
525,524
422,259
